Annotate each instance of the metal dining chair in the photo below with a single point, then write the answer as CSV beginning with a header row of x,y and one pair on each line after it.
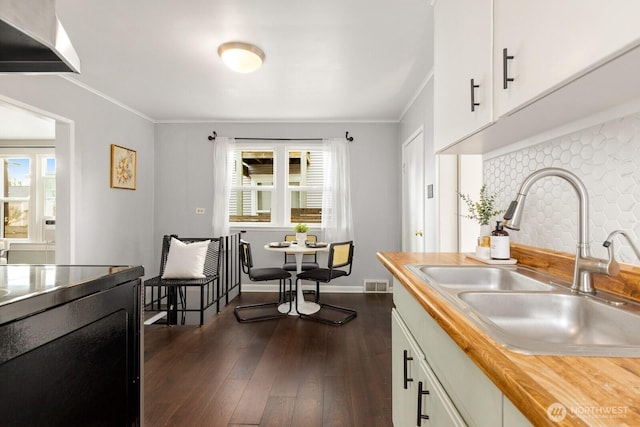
x,y
309,261
338,265
262,275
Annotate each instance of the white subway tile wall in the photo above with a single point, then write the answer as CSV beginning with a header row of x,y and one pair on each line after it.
x,y
606,157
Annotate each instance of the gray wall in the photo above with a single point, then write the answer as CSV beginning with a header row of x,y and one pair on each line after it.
x,y
183,175
420,115
109,226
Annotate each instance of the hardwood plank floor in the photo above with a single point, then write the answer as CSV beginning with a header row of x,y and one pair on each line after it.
x,y
284,372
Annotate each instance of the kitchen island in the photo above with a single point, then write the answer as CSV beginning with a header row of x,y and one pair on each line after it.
x,y
71,345
546,390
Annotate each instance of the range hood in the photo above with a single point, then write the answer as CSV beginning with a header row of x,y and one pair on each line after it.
x,y
32,39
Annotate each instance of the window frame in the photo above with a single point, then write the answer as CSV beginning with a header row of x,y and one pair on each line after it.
x,y
36,189
281,189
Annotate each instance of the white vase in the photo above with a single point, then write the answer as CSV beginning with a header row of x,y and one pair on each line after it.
x,y
482,249
301,238
485,230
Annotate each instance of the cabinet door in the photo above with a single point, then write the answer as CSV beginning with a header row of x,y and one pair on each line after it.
x,y
434,406
405,371
553,43
462,52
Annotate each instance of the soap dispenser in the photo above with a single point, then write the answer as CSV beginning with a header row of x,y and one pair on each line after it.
x,y
500,243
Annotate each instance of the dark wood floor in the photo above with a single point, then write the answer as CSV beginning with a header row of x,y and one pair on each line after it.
x,y
285,372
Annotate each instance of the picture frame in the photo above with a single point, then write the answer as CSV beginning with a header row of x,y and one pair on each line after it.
x,y
123,167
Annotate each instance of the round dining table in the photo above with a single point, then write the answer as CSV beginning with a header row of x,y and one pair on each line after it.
x,y
298,250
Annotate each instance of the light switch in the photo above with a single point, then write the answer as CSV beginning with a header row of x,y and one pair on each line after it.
x,y
199,211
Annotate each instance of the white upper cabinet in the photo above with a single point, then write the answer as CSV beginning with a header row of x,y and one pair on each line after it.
x,y
553,43
564,60
462,69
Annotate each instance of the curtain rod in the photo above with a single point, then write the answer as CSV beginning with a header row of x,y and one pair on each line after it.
x,y
215,135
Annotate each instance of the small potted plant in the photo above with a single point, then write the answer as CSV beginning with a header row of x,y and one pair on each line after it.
x,y
301,233
482,211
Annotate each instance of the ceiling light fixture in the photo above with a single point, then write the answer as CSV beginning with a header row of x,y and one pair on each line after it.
x,y
241,57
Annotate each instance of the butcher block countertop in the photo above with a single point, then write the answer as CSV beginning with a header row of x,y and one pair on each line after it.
x,y
596,391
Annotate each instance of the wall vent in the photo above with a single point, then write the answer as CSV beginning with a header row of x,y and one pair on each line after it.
x,y
376,286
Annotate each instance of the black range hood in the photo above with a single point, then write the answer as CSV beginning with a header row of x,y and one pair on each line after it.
x,y
32,39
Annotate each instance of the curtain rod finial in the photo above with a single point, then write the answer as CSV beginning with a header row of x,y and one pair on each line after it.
x,y
214,136
349,138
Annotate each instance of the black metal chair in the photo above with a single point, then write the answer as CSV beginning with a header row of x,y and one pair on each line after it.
x,y
171,294
262,275
338,265
309,261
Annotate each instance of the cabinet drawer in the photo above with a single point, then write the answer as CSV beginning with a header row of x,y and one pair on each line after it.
x,y
476,397
473,394
411,311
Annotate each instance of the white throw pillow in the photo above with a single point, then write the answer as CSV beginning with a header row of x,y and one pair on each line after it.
x,y
185,260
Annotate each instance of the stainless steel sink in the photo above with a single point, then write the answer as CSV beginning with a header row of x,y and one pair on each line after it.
x,y
483,278
557,323
535,313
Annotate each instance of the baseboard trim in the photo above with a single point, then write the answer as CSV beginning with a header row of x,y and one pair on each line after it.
x,y
330,289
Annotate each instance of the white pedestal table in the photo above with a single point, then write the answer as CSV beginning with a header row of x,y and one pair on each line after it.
x,y
304,307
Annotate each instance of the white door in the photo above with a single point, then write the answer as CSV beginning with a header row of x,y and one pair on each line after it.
x,y
413,193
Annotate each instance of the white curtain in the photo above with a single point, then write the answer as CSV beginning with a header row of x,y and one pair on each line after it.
x,y
337,223
222,166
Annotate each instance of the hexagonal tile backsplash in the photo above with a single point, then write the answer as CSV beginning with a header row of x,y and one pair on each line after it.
x,y
606,157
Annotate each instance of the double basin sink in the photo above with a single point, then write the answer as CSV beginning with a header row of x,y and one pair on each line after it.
x,y
533,313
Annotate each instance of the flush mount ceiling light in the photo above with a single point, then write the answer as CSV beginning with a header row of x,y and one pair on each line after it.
x,y
241,57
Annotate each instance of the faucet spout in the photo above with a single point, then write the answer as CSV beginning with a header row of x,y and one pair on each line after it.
x,y
585,264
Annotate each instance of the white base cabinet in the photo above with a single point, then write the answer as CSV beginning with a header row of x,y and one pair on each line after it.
x,y
459,392
418,398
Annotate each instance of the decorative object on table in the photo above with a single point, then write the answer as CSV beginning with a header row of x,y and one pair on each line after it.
x,y
301,233
309,260
123,167
482,211
499,243
279,244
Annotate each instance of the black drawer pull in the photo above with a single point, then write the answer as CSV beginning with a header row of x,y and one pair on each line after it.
x,y
474,104
421,392
505,69
407,380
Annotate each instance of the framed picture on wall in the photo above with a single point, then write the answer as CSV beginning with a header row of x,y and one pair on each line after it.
x,y
123,168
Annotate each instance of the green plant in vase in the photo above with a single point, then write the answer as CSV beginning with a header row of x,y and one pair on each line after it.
x,y
301,228
484,209
301,233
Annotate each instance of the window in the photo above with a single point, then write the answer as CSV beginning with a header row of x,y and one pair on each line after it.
x,y
277,186
28,196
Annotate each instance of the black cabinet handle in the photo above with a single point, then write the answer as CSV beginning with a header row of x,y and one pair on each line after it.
x,y
407,380
505,69
421,392
474,104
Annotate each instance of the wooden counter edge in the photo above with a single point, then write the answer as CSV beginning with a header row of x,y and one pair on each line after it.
x,y
524,392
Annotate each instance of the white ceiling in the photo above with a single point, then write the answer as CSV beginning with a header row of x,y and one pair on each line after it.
x,y
20,124
330,60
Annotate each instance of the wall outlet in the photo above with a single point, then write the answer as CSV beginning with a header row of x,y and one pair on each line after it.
x,y
199,211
